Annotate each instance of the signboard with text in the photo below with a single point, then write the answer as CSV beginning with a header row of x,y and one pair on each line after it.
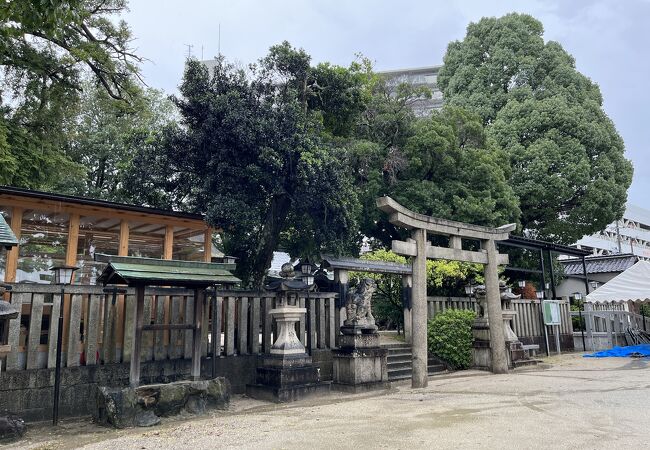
x,y
551,310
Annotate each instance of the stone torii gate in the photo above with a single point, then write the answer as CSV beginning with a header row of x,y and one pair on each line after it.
x,y
420,249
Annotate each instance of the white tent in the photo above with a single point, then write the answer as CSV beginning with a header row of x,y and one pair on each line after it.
x,y
631,285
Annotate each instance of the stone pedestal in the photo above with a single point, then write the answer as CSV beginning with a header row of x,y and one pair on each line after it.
x,y
284,379
360,363
288,373
481,354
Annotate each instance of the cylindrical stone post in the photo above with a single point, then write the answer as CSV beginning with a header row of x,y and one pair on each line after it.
x,y
497,338
419,311
341,278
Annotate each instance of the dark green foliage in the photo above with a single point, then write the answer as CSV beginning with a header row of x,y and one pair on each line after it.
x,y
450,337
254,156
106,135
446,167
567,160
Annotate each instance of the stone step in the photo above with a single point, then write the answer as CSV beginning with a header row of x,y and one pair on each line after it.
x,y
397,373
396,345
527,362
397,350
406,374
400,357
398,365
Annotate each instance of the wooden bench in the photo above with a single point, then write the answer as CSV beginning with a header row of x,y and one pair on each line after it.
x,y
530,348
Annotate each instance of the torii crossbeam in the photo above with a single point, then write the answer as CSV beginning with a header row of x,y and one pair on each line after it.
x,y
420,249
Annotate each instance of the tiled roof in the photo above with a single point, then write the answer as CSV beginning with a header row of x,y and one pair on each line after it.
x,y
600,264
7,237
133,270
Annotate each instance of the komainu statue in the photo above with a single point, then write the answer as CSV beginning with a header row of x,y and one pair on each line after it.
x,y
358,307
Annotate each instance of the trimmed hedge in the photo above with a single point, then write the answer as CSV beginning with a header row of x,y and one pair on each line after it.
x,y
450,337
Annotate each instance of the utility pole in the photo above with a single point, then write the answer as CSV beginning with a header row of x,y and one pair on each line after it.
x,y
618,238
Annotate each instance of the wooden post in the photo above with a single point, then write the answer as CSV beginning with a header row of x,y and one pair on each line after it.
x,y
138,308
207,245
168,254
70,260
120,313
196,338
12,255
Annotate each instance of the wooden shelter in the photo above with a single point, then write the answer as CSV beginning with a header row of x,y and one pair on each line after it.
x,y
54,229
143,272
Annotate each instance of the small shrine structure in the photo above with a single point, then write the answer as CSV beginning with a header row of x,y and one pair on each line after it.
x,y
142,272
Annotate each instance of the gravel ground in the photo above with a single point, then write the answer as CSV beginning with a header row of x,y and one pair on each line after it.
x,y
569,402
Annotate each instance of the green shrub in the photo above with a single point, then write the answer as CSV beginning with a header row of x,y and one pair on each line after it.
x,y
450,337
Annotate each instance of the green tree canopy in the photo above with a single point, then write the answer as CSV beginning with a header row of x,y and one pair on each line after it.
x,y
255,154
447,167
568,166
44,48
106,135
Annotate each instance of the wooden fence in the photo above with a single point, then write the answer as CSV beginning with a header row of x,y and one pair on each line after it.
x,y
527,322
98,327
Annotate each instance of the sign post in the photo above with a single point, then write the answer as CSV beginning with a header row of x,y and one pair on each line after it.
x,y
553,318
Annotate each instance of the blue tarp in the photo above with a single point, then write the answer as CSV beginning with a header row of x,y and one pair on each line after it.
x,y
622,352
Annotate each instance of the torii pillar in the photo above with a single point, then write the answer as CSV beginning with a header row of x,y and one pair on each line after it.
x,y
420,250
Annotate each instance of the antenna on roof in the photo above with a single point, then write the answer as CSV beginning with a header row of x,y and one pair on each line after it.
x,y
189,50
219,42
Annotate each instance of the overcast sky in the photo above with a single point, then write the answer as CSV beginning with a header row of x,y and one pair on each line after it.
x,y
608,38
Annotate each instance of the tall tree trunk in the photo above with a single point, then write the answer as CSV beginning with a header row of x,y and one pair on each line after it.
x,y
276,217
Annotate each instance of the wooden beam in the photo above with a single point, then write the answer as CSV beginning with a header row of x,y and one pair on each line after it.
x,y
123,249
136,345
207,245
167,326
120,313
99,212
12,255
168,246
168,253
199,295
73,240
70,260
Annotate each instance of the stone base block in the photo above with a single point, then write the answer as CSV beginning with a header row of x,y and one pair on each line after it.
x,y
145,405
356,341
286,361
286,384
481,355
279,377
360,388
288,393
359,366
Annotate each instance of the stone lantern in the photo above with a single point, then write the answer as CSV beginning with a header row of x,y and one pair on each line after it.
x,y
480,328
287,373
